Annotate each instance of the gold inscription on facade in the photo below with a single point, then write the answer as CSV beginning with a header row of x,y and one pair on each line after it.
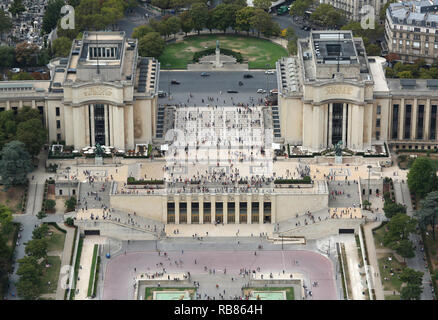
x,y
339,90
97,91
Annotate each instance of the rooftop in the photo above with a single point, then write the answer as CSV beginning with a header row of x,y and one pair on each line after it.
x,y
415,13
326,53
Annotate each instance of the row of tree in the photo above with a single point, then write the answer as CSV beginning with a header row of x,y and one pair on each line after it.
x,y
6,228
225,16
418,70
396,237
25,126
31,266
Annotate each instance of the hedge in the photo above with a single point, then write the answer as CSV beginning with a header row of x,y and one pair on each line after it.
x,y
210,51
305,180
132,181
78,260
92,271
96,276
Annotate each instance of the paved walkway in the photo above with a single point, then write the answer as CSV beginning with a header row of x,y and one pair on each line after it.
x,y
372,256
85,266
65,258
418,262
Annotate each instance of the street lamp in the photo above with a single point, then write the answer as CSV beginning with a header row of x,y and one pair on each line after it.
x,y
68,179
168,80
369,171
267,80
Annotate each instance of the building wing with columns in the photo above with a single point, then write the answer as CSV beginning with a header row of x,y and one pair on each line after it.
x,y
102,93
330,92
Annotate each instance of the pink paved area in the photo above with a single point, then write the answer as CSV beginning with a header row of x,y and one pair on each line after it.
x,y
119,276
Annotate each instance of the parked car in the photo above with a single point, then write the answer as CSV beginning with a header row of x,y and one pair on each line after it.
x,y
161,94
16,70
248,76
205,74
232,91
270,71
261,91
174,82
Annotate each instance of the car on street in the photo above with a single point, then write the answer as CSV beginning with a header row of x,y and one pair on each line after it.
x,y
175,82
161,94
232,91
205,74
248,76
270,71
261,91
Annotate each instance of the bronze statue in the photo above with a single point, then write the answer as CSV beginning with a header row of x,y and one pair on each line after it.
x,y
99,151
338,149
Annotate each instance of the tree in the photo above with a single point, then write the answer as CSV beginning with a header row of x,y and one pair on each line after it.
x,y
61,47
411,292
261,21
33,134
151,45
15,164
428,214
52,15
399,228
411,276
292,47
405,249
50,204
421,176
5,23
373,50
40,232
405,75
326,15
174,24
26,53
299,7
37,248
5,219
187,24
41,215
243,19
392,208
391,57
223,17
262,4
17,7
70,204
30,272
141,31
382,13
6,56
70,222
5,263
21,76
199,15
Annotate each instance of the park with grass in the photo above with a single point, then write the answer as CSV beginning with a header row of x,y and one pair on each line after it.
x,y
256,51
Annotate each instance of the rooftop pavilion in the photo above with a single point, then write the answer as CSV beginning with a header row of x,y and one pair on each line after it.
x,y
326,53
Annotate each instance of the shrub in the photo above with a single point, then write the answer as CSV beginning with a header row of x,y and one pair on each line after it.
x,y
209,51
49,204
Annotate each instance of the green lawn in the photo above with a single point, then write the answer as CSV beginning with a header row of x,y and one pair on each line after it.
x,y
51,274
149,291
394,282
56,240
289,291
379,233
257,52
